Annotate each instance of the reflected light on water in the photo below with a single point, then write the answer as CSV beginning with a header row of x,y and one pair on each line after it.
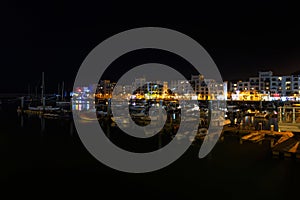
x,y
79,105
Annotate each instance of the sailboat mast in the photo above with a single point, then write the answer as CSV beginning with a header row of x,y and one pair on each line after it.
x,y
43,85
62,90
43,92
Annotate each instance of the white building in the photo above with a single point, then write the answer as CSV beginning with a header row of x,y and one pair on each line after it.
x,y
264,81
268,84
254,83
243,85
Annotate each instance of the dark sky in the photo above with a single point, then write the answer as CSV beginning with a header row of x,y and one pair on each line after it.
x,y
242,38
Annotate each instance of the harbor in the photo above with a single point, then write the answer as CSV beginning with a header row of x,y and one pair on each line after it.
x,y
248,122
150,100
258,142
52,147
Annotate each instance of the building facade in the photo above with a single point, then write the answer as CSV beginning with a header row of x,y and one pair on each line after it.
x,y
267,84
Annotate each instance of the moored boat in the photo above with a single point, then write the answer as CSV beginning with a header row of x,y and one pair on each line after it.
x,y
43,108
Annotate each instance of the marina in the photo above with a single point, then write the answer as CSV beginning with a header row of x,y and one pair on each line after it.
x,y
256,127
258,140
248,163
256,135
150,100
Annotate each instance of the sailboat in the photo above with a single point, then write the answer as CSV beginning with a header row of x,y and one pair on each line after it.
x,y
43,107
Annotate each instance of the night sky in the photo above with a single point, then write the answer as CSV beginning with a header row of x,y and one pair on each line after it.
x,y
242,38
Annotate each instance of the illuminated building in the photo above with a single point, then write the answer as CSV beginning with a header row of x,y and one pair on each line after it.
x,y
105,89
254,83
208,89
271,87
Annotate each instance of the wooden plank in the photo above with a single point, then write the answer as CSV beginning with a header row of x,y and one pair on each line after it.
x,y
286,145
294,148
294,127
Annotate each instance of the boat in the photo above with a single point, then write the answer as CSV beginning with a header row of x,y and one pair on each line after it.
x,y
120,120
51,116
63,103
101,113
261,115
43,108
141,113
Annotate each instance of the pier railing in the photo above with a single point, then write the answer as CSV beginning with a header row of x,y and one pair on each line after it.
x,y
289,115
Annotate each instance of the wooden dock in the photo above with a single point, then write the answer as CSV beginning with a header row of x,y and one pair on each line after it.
x,y
293,127
288,148
283,144
255,136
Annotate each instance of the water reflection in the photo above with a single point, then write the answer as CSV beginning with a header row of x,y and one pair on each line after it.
x,y
112,131
44,124
81,105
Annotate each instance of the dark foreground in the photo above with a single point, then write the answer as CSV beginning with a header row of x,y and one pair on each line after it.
x,y
53,162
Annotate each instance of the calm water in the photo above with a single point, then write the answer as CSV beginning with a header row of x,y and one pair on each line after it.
x,y
48,157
